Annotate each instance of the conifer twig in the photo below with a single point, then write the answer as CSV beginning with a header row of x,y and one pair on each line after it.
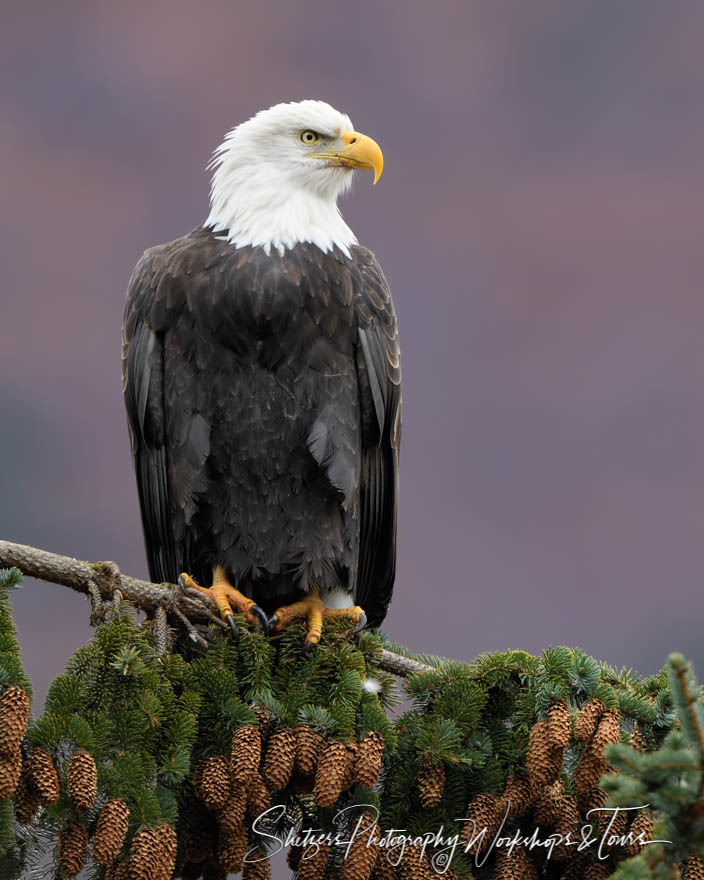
x,y
104,579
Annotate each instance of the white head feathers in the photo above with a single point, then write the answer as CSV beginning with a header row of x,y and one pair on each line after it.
x,y
267,188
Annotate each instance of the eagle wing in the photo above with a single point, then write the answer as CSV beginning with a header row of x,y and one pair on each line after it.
x,y
169,465
379,377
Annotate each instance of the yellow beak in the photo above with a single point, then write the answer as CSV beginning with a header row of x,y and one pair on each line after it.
x,y
359,151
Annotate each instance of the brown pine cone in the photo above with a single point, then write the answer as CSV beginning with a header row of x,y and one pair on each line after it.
x,y
329,774
384,870
597,871
231,815
257,867
589,771
518,795
431,782
694,869
485,811
543,760
168,844
641,831
368,762
567,823
614,826
548,803
263,719
118,871
110,831
214,782
44,776
14,713
10,771
312,863
145,855
637,741
309,744
258,797
414,864
587,718
608,730
279,759
26,798
82,780
348,778
232,848
363,851
73,845
514,865
245,754
559,724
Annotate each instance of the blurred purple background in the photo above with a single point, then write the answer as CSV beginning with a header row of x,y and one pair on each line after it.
x,y
539,221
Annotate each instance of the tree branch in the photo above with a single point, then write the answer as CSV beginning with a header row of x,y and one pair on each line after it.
x,y
104,578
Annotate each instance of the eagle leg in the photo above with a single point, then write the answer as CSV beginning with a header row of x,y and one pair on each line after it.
x,y
313,610
227,598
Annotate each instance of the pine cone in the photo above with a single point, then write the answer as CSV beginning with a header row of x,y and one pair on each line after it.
x,y
231,815
263,719
548,803
26,798
312,863
485,811
44,776
613,826
608,730
14,712
587,718
245,753
145,855
589,771
518,794
232,848
328,776
257,867
73,844
348,778
559,724
514,865
168,844
110,832
309,744
543,760
363,851
279,759
641,831
637,741
597,871
10,771
368,762
258,797
414,864
694,869
82,780
431,782
214,782
567,823
384,870
118,871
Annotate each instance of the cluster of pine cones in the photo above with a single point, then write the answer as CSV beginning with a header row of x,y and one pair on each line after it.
x,y
542,793
237,789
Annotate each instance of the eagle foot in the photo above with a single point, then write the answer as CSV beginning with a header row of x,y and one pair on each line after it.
x,y
314,612
227,598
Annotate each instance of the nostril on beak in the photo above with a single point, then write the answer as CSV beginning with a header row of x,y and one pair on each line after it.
x,y
352,141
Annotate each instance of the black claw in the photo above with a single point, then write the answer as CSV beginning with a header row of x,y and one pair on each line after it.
x,y
230,620
261,617
273,621
182,584
362,623
308,646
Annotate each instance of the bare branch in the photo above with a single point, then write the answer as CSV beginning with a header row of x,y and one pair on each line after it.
x,y
103,579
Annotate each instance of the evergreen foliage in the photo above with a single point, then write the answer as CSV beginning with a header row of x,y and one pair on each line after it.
x,y
482,732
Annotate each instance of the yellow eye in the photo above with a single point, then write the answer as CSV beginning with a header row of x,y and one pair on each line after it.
x,y
309,137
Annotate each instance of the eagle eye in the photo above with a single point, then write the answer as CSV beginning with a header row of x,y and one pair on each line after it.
x,y
309,137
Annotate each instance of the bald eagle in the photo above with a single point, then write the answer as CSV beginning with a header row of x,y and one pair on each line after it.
x,y
262,383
